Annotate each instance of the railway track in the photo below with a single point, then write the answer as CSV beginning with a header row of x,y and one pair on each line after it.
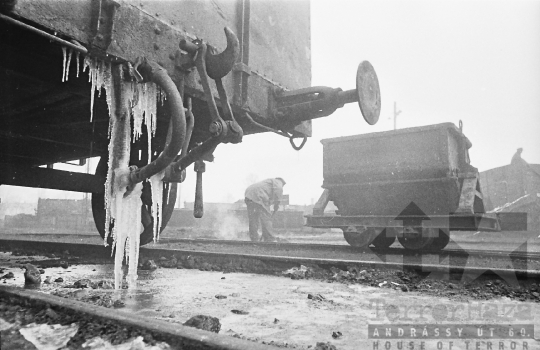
x,y
226,256
462,249
456,251
98,322
288,255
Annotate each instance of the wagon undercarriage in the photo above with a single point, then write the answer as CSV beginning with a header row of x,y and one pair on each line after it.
x,y
74,74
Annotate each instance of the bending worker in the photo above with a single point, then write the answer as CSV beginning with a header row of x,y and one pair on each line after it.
x,y
517,160
259,197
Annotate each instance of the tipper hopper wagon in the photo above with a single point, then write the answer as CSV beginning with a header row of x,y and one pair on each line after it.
x,y
416,184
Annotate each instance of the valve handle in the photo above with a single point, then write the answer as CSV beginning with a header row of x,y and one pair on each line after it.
x,y
198,207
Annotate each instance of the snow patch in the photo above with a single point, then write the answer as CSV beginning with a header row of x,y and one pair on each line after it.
x,y
49,337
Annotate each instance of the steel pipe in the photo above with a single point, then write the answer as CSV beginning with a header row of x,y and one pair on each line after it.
x,y
79,48
154,72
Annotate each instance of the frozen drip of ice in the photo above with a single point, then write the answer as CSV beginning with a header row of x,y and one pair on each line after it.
x,y
77,53
144,107
127,227
119,143
67,62
99,74
64,64
124,210
156,183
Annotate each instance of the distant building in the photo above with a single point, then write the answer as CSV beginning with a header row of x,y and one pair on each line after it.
x,y
72,214
9,210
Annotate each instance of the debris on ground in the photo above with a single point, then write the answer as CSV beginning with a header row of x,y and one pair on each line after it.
x,y
28,327
149,265
240,312
98,343
296,273
8,275
118,304
84,283
207,323
95,297
59,280
316,297
64,264
51,314
337,335
103,284
324,346
169,263
104,300
219,296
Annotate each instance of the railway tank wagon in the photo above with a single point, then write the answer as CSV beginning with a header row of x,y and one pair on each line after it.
x,y
416,184
151,88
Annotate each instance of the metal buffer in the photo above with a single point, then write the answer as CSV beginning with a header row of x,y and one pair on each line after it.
x,y
319,101
290,108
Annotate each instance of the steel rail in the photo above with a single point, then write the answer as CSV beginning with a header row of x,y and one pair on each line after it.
x,y
332,247
176,335
283,262
348,248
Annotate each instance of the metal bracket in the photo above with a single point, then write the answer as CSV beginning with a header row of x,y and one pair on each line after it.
x,y
321,204
103,14
471,199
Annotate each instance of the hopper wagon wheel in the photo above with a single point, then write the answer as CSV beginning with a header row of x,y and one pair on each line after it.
x,y
384,239
358,238
147,234
441,240
415,238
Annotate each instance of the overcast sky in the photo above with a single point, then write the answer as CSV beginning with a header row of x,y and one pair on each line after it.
x,y
441,61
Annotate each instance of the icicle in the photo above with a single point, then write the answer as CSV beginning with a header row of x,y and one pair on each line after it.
x,y
119,144
99,75
137,112
150,114
91,64
77,53
162,96
127,213
64,64
68,63
156,184
141,102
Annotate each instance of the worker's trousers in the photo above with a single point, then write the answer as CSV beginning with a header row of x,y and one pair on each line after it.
x,y
256,213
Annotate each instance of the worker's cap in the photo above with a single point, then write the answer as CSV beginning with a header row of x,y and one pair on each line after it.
x,y
280,179
520,149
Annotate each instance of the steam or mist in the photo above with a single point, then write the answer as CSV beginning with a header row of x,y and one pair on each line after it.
x,y
228,226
